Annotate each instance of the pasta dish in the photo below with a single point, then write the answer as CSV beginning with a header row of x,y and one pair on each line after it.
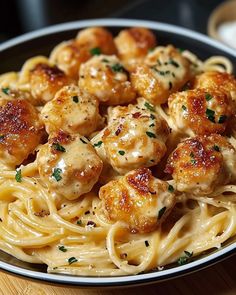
x,y
117,155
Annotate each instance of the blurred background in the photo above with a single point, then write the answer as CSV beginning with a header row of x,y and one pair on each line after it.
x,y
20,16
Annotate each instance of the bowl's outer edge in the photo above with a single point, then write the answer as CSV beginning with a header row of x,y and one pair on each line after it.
x,y
129,279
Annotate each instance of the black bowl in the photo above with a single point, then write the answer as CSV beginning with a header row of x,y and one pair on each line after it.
x,y
15,52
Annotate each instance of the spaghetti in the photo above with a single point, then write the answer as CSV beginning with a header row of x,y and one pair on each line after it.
x,y
74,236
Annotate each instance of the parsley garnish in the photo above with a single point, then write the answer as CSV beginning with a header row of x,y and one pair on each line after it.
x,y
95,51
98,144
82,140
151,49
181,50
208,96
150,134
18,176
149,106
170,85
185,259
162,73
193,161
79,222
121,153
216,148
72,260
161,212
185,87
152,125
152,117
105,60
210,115
62,248
222,119
57,174
58,147
75,99
184,107
1,136
5,90
174,63
170,188
117,68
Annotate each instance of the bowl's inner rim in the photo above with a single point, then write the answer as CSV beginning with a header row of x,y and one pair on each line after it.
x,y
69,279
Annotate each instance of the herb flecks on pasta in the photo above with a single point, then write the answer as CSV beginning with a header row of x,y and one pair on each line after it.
x,y
117,155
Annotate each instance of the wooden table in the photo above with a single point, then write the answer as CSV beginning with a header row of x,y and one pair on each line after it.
x,y
219,279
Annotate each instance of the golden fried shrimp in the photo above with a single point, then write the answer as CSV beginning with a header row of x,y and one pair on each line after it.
x,y
138,199
106,78
69,165
217,81
201,163
72,110
96,38
133,45
45,81
200,111
20,131
135,137
68,57
163,72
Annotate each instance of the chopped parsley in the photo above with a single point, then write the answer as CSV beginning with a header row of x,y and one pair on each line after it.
x,y
72,260
95,51
152,117
146,243
174,63
149,106
193,161
150,134
79,222
208,96
75,98
222,119
170,85
161,212
58,147
185,259
170,188
98,144
57,174
162,73
18,176
121,153
185,87
82,140
62,248
151,49
216,148
184,107
5,90
117,68
152,125
105,60
1,136
181,50
210,115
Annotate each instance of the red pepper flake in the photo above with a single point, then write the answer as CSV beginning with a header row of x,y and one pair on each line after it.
x,y
119,129
91,223
136,115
